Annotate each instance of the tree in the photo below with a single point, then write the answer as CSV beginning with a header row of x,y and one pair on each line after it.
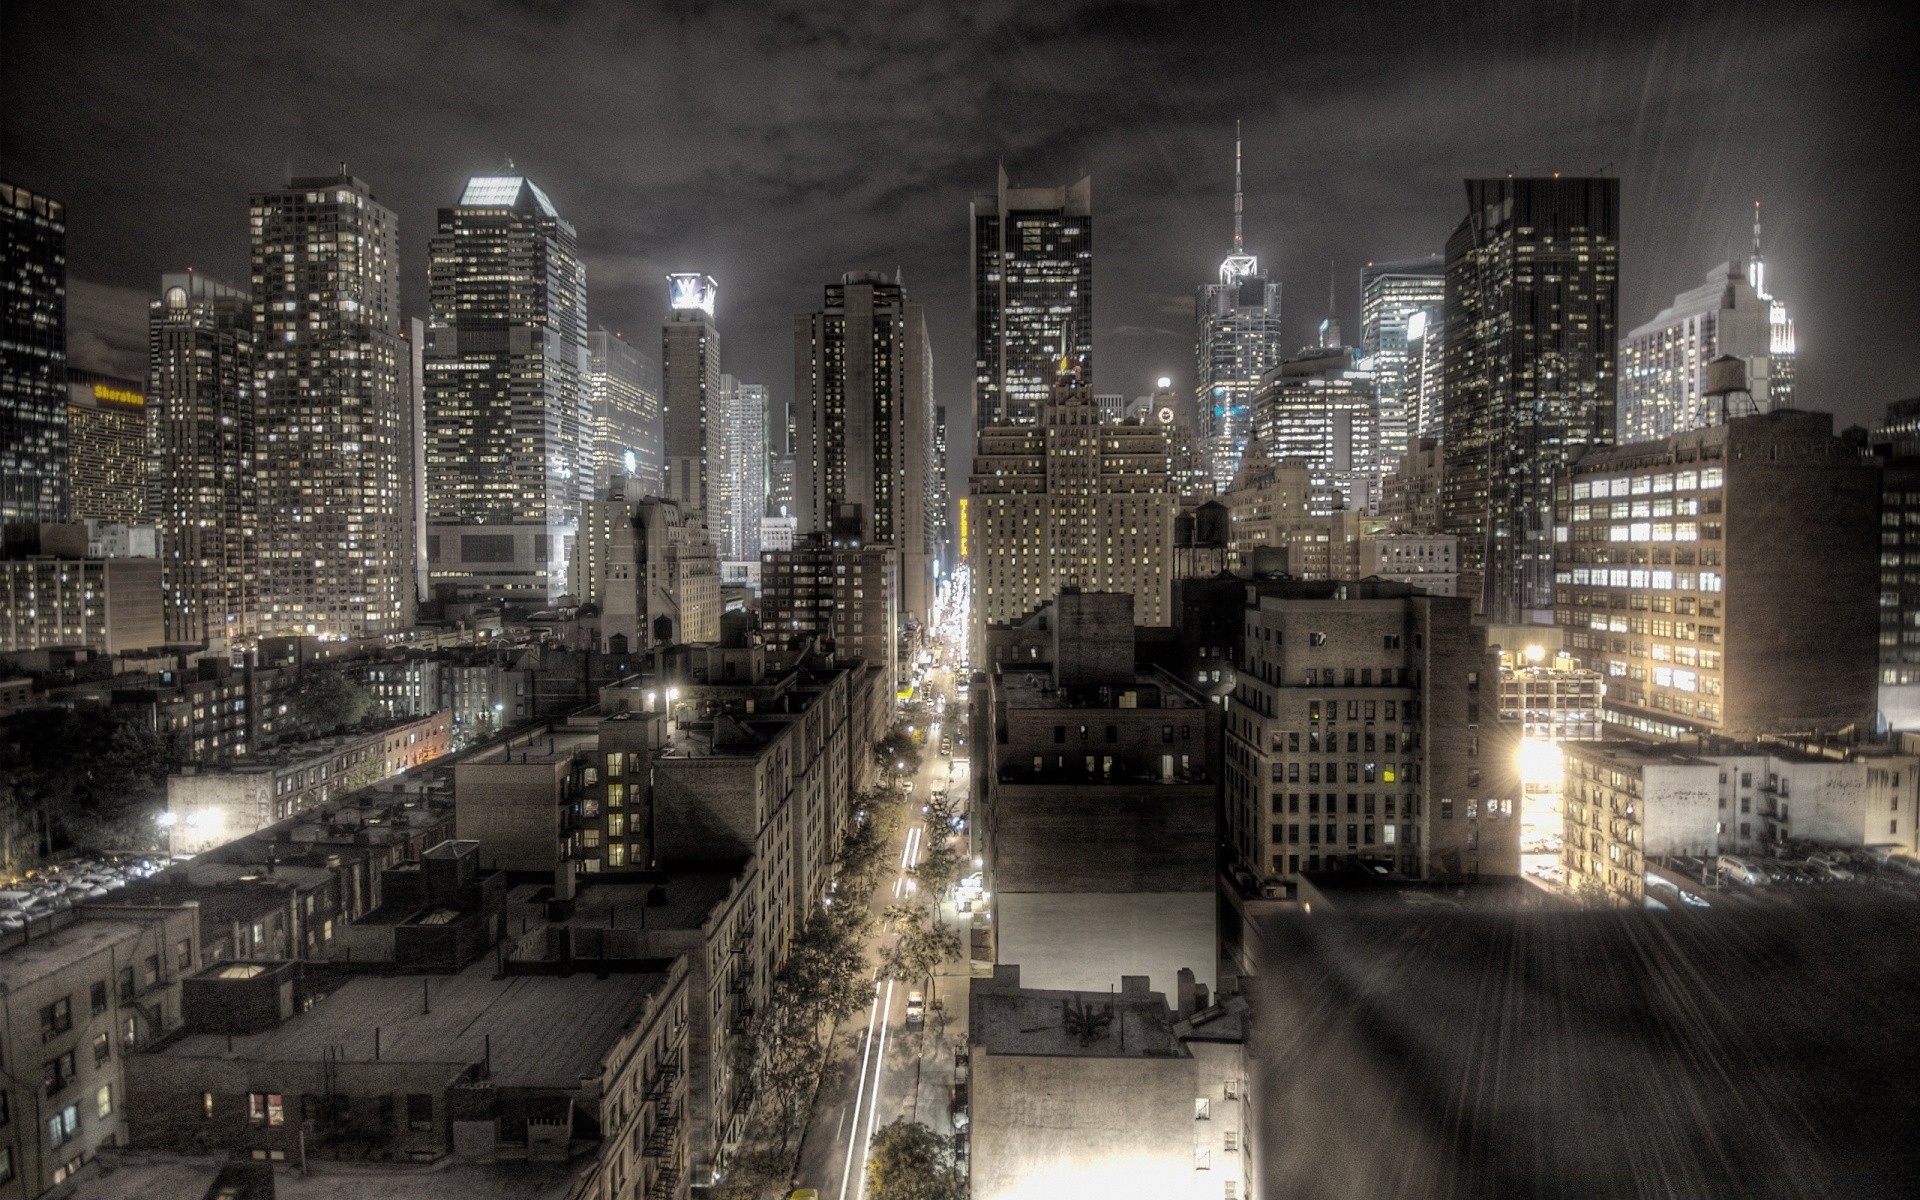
x,y
80,777
908,1161
324,701
922,946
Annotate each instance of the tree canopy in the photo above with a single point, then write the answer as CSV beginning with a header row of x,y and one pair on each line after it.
x,y
324,701
908,1161
89,777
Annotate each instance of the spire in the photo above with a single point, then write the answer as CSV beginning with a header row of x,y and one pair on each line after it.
x,y
1757,266
1756,231
1239,202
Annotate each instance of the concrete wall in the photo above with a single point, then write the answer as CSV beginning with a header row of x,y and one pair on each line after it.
x,y
1086,942
512,810
704,809
1680,809
1102,838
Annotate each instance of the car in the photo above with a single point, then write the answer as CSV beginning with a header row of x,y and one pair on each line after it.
x,y
946,749
916,1010
907,788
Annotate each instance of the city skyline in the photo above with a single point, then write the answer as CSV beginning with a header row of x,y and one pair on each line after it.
x,y
1691,159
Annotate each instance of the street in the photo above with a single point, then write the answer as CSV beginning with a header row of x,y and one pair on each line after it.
x,y
879,1070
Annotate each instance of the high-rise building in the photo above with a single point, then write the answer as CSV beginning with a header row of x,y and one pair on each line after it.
x,y
1032,275
1426,380
509,415
1727,579
694,436
1532,278
745,477
1663,363
940,510
1390,296
33,356
1404,763
623,384
1410,496
863,401
327,436
845,595
106,448
1239,343
201,351
1896,443
1070,503
1318,409
648,564
413,457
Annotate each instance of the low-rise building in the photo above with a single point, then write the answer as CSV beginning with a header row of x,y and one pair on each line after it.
x,y
1120,1095
84,991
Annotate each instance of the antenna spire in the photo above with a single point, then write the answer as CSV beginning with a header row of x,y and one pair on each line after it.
x,y
1239,201
1333,274
1756,229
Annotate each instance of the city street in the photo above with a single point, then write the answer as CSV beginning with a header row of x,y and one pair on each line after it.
x,y
878,1070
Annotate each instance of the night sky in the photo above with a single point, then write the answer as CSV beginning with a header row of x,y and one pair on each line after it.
x,y
777,146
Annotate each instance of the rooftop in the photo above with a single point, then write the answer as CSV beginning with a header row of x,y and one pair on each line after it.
x,y
140,1175
1030,685
1005,1019
48,954
519,1014
689,897
553,746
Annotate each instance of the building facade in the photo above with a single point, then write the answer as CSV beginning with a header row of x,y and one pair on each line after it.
x,y
1366,728
509,416
1390,295
1725,580
650,567
1032,287
55,593
1318,409
864,461
106,448
33,356
201,351
745,479
329,410
1531,296
845,595
623,385
1663,364
1239,342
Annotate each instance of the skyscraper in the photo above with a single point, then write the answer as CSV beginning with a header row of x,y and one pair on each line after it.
x,y
1239,343
746,471
106,448
1426,375
940,508
508,416
863,384
624,384
1032,268
1391,294
1663,363
1532,277
326,259
693,423
1318,410
201,351
33,356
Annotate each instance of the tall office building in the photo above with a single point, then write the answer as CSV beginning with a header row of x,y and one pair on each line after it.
x,y
623,383
1069,503
327,436
413,457
201,350
1032,274
1239,343
1426,375
509,417
1663,363
1318,410
863,389
33,356
940,509
694,435
106,448
745,477
1532,278
1392,295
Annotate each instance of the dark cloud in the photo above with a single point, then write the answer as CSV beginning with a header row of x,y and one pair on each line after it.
x,y
779,145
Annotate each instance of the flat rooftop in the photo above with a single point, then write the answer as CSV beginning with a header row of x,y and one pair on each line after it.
x,y
1035,1021
546,1031
558,745
690,896
143,1175
50,953
1030,685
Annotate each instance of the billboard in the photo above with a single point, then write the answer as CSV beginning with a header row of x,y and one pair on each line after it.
x,y
691,290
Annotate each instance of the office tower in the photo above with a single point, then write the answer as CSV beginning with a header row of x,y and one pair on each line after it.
x,y
1426,376
845,595
1112,406
106,448
1318,409
327,432
624,386
863,400
1391,294
509,419
1402,762
745,477
694,437
33,357
413,465
1032,275
1410,495
1532,276
1725,579
1663,363
1896,444
58,591
940,502
1239,343
1069,503
201,352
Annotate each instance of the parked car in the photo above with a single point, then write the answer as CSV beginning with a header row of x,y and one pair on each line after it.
x,y
916,1010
